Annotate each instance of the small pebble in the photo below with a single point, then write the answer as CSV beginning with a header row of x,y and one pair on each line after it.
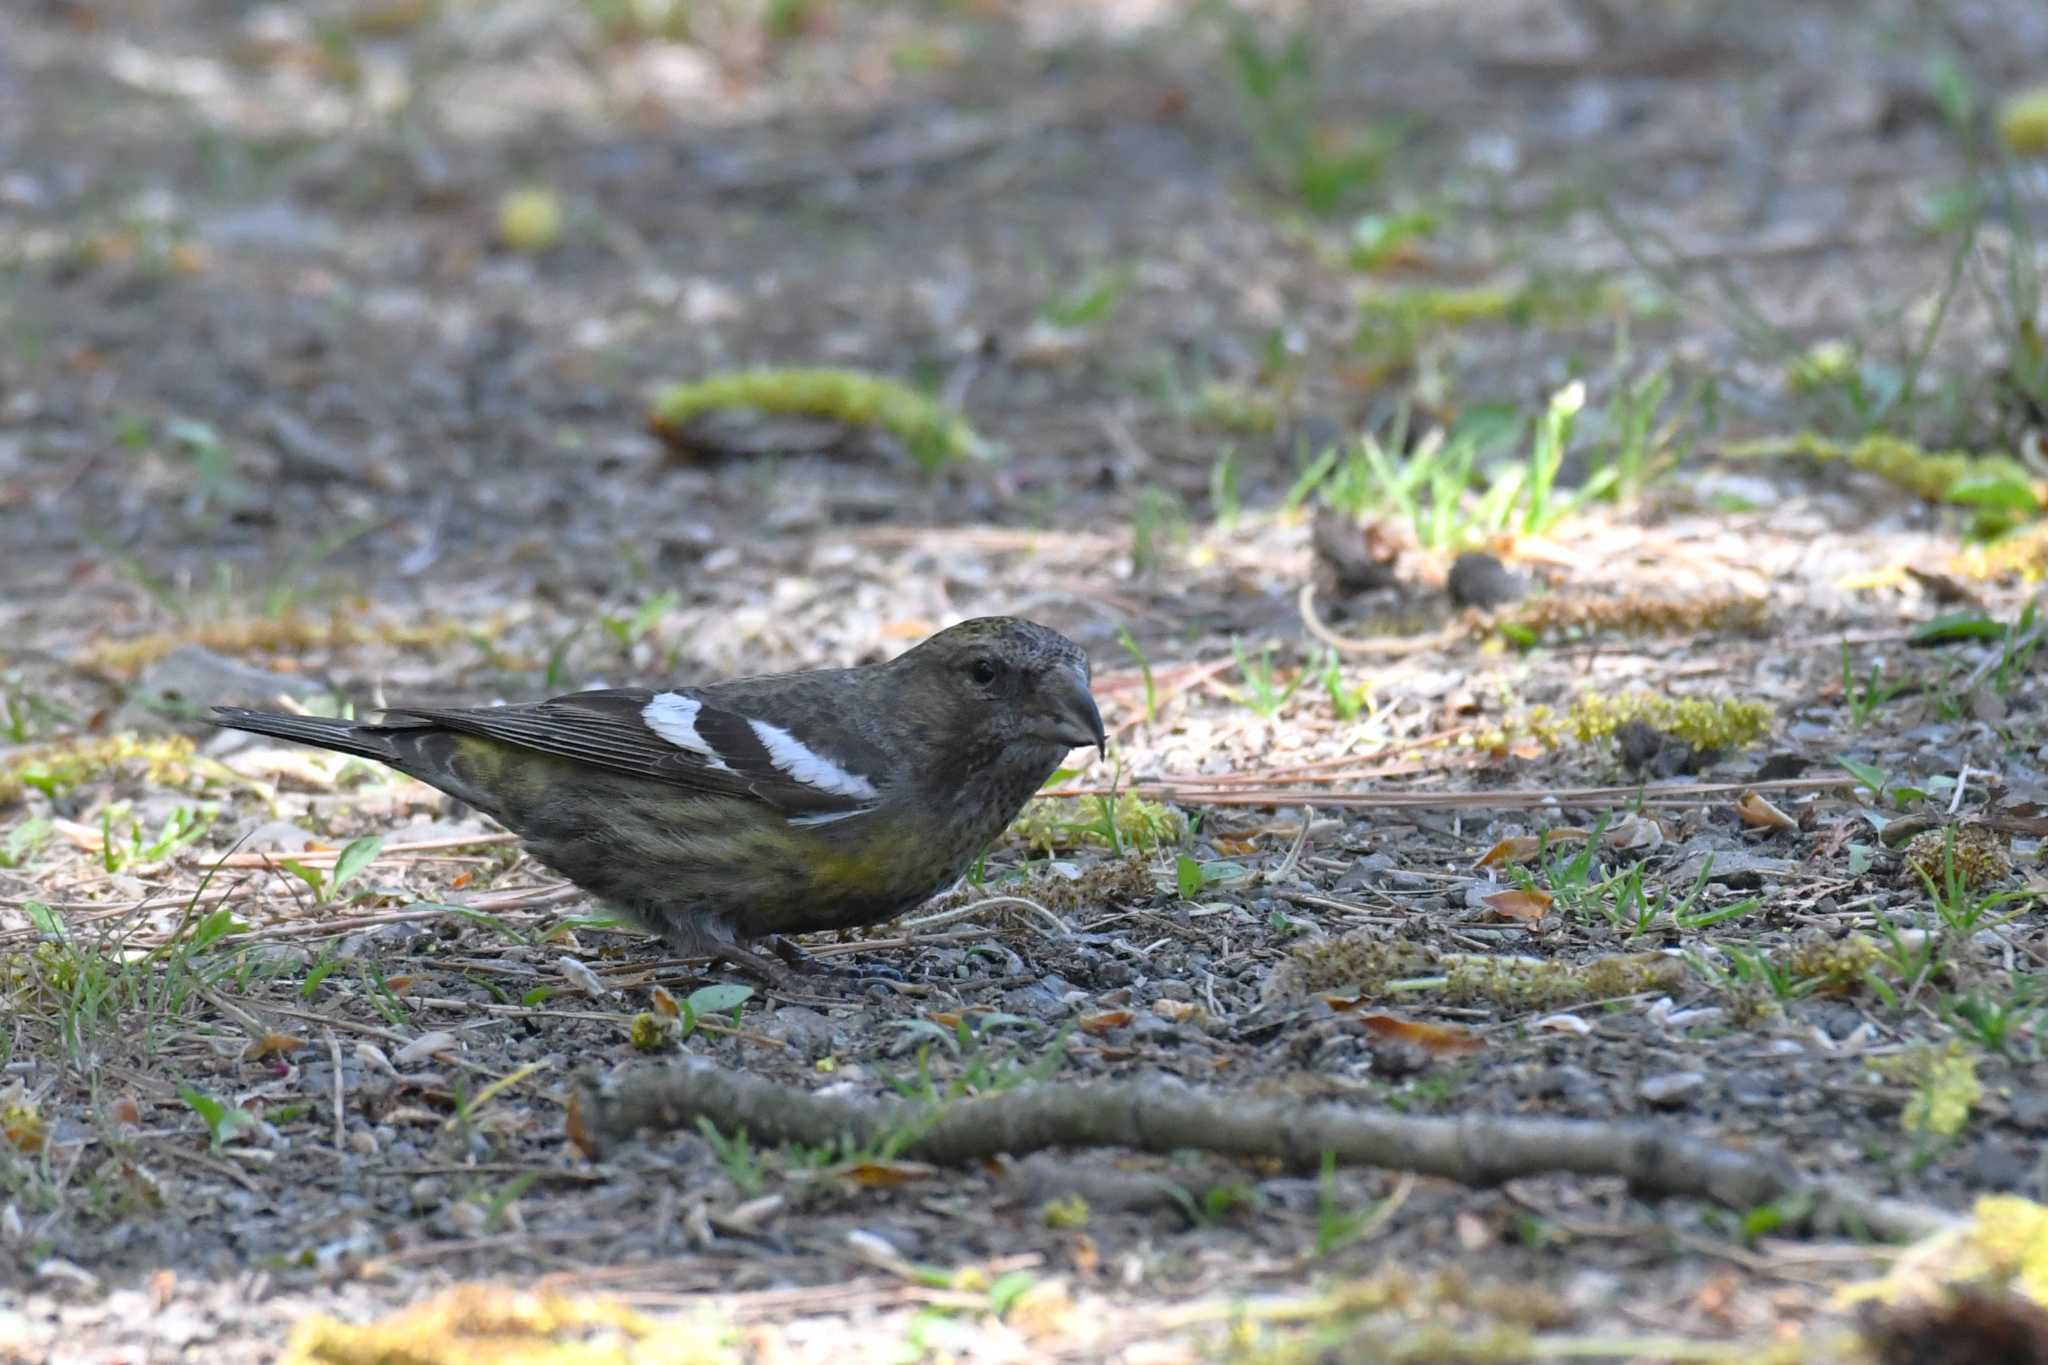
x,y
1672,1090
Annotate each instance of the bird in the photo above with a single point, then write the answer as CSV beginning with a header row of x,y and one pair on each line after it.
x,y
763,806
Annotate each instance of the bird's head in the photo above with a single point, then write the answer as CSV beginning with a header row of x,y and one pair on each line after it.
x,y
1006,682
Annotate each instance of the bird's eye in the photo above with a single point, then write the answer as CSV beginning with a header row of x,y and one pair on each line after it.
x,y
985,671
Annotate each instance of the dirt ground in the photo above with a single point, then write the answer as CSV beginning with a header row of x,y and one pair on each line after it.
x,y
330,335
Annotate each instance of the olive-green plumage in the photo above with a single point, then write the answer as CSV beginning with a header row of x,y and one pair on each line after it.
x,y
769,805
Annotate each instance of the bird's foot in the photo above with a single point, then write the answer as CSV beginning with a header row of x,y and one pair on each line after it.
x,y
785,966
802,961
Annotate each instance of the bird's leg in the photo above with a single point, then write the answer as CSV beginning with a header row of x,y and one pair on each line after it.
x,y
787,949
695,934
760,966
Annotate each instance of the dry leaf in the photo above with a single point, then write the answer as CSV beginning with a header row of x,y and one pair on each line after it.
x,y
1083,1253
1633,832
21,1119
1520,848
87,838
1758,813
1526,905
883,1175
1104,1020
1439,1040
755,1212
582,978
270,1045
423,1047
1474,1233
577,1130
1833,840
1045,1310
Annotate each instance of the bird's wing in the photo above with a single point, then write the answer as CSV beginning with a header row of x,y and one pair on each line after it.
x,y
676,737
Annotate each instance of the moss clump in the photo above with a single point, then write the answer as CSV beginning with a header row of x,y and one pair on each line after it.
x,y
1546,984
2023,121
2022,554
1238,410
493,1322
1359,960
1066,1213
1117,881
290,634
55,768
1727,723
1945,1086
651,1032
1394,322
1979,859
1054,824
530,219
1938,476
1373,966
1839,965
1112,881
22,1122
1633,614
1751,1006
935,435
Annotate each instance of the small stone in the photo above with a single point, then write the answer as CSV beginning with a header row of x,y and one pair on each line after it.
x,y
1343,550
1998,1167
1573,1084
1151,1028
2030,1110
1035,1001
1735,868
1478,579
1755,1090
803,1029
1672,1090
1782,765
427,1193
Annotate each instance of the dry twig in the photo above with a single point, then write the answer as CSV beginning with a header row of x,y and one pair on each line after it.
x,y
1474,1149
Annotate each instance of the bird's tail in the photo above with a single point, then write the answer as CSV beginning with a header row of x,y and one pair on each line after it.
x,y
344,736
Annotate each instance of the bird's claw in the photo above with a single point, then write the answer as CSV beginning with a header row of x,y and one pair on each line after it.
x,y
803,961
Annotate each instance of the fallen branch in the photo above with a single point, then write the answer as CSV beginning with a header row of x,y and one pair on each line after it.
x,y
1150,1116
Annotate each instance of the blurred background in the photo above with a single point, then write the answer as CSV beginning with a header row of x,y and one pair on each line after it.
x,y
358,308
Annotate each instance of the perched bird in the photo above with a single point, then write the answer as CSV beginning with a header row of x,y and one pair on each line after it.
x,y
762,806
